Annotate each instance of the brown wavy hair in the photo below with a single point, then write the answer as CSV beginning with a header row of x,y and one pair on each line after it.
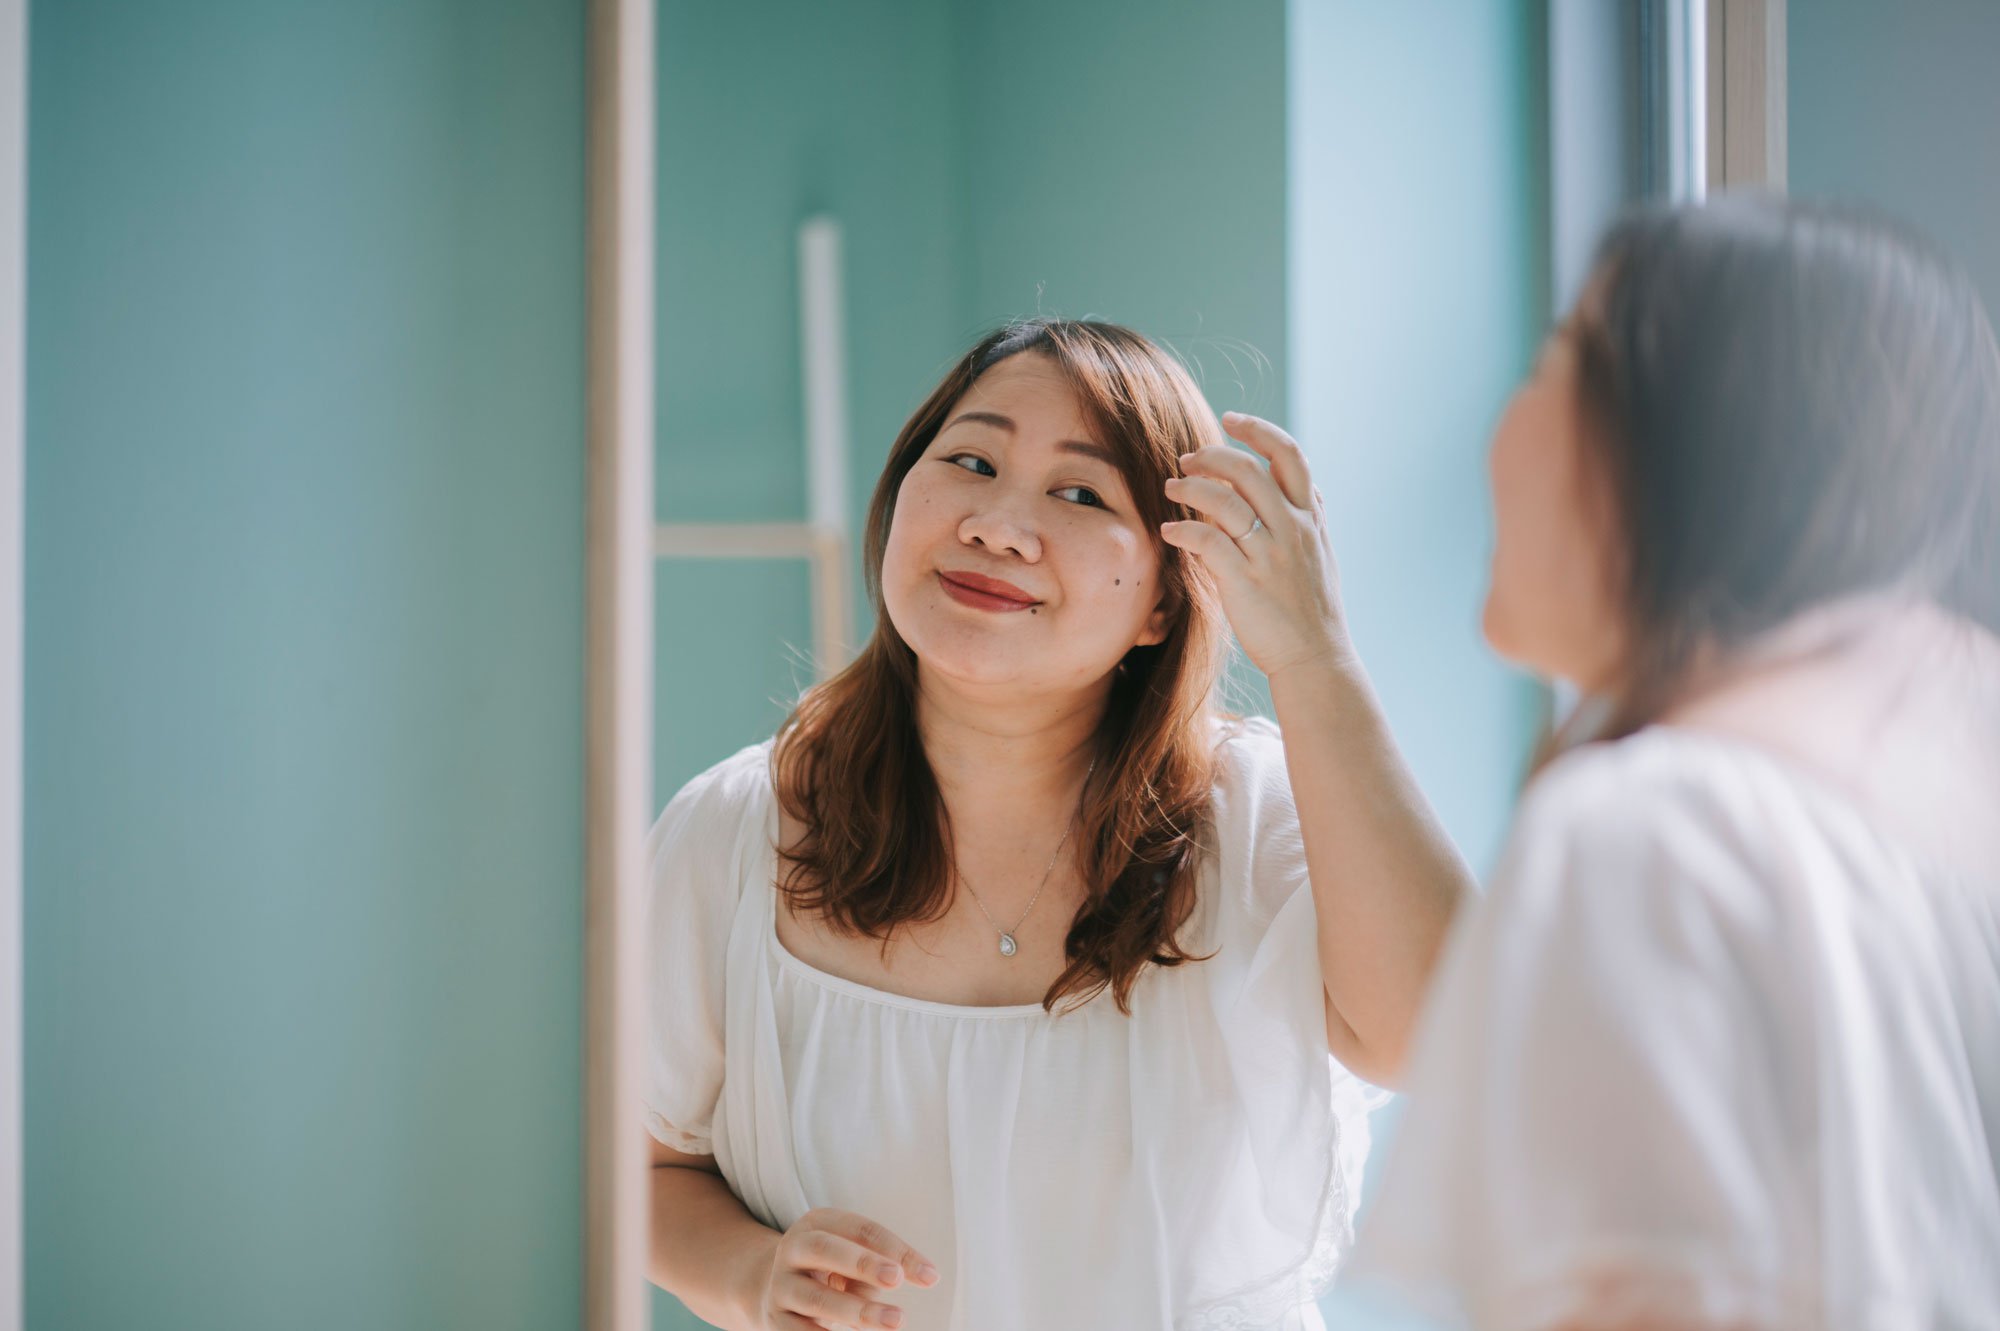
x,y
849,765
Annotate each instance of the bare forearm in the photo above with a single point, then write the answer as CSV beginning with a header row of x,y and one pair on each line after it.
x,y
706,1249
1386,879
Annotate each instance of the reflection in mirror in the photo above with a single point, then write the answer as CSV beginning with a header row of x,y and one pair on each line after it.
x,y
1024,772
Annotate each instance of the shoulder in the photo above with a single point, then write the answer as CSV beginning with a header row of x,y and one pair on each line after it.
x,y
1659,787
1250,775
1256,844
718,807
1660,833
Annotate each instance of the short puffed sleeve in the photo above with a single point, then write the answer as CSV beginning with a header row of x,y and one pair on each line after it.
x,y
1304,1116
1601,1082
699,851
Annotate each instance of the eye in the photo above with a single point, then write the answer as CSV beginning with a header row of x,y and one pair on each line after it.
x,y
1086,496
971,462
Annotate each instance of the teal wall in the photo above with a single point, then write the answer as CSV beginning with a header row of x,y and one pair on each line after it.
x,y
770,112
1125,160
1897,106
304,665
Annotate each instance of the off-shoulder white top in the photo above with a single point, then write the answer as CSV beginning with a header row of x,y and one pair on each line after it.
x,y
1195,1164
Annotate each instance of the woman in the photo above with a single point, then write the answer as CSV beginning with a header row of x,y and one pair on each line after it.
x,y
1722,1046
995,992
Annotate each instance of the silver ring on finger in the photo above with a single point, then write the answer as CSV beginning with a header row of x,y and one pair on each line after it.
x,y
1255,527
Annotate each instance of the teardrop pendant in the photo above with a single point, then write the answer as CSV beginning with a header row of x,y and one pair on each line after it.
x,y
1007,948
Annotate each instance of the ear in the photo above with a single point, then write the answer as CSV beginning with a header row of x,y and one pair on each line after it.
x,y
1158,624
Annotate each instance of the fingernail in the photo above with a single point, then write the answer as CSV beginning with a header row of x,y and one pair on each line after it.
x,y
1186,458
927,1273
889,1316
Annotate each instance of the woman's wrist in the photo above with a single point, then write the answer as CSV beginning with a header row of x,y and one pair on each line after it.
x,y
1331,660
750,1278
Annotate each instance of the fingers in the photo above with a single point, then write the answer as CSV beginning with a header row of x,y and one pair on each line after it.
x,y
1207,542
1234,467
798,1293
1219,502
842,1258
794,1322
876,1237
846,1285
1287,459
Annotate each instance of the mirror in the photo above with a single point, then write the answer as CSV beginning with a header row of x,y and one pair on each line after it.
x,y
1317,208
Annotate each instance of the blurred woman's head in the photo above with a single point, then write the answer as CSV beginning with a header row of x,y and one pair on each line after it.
x,y
1014,558
1756,408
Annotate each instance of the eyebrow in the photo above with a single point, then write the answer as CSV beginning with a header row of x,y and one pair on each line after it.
x,y
999,422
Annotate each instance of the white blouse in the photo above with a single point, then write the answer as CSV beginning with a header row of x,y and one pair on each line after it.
x,y
1195,1164
1714,1051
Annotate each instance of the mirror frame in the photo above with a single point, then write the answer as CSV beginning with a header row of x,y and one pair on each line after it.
x,y
619,683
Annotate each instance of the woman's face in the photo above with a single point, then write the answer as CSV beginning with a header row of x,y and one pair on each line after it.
x,y
1016,556
1551,606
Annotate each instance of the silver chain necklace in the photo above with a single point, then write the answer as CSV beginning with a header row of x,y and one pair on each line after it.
x,y
1008,947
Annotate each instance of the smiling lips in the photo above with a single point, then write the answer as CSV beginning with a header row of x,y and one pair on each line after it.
x,y
983,593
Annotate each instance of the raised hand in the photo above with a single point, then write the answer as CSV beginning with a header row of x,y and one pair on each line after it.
x,y
1263,535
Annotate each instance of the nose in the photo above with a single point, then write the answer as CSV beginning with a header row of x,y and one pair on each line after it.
x,y
998,531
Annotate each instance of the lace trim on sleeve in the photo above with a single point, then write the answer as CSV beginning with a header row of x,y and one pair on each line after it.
x,y
687,1143
1265,1301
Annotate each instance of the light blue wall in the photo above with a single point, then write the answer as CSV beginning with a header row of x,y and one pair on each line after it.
x,y
304,665
1418,280
1898,106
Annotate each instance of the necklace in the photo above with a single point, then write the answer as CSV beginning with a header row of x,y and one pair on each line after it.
x,y
1008,947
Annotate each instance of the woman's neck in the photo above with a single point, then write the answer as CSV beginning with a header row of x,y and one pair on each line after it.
x,y
1002,757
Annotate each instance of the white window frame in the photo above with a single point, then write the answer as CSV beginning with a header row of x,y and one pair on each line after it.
x,y
1745,91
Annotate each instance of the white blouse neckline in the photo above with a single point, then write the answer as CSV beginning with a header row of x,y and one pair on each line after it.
x,y
865,993
812,974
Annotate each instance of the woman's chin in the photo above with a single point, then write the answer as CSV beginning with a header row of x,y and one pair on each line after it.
x,y
993,670
1518,650
1493,628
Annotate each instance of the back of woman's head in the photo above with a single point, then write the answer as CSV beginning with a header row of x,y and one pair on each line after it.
x,y
1793,404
